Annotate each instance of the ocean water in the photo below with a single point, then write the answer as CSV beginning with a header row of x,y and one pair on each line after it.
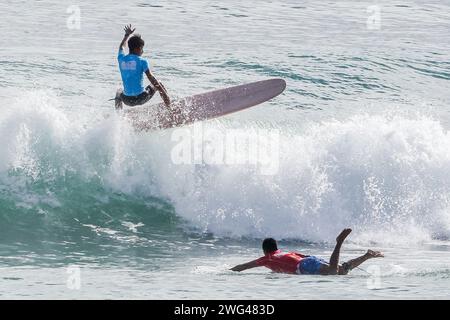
x,y
91,209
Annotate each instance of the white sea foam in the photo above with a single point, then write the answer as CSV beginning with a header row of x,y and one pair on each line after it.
x,y
386,176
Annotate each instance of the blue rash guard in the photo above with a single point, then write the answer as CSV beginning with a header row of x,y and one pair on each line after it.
x,y
132,69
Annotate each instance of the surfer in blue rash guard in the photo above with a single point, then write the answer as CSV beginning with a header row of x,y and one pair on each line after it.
x,y
132,68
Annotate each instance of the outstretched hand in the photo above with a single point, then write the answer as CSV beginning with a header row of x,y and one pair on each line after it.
x,y
237,268
128,30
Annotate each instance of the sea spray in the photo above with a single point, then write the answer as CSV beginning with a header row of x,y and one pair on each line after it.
x,y
384,175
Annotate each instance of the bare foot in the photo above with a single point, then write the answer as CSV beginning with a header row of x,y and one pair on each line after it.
x,y
341,237
374,254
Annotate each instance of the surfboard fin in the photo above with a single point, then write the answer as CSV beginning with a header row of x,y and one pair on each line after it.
x,y
118,100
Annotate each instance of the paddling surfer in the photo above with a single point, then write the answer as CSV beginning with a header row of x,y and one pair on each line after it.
x,y
297,263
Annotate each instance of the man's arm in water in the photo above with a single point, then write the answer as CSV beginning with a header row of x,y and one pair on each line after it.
x,y
245,266
158,85
128,31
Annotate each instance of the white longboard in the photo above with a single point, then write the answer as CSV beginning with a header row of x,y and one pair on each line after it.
x,y
204,106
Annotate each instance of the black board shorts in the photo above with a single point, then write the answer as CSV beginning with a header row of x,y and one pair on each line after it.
x,y
140,99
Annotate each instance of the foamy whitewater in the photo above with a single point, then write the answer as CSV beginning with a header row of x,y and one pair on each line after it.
x,y
90,208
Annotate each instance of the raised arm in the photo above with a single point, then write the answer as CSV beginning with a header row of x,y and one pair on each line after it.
x,y
128,31
245,266
158,85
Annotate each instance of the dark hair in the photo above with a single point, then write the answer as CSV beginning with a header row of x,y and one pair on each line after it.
x,y
135,42
269,245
